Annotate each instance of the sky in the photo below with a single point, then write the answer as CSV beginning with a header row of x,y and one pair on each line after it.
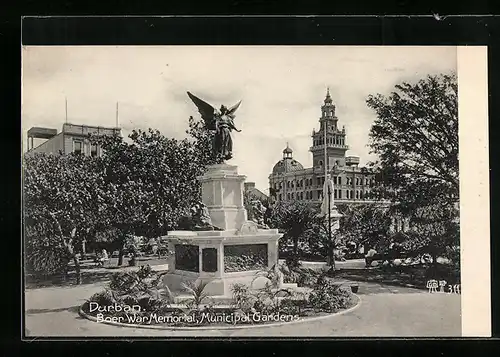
x,y
282,89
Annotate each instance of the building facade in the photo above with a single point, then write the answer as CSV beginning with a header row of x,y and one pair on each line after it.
x,y
251,190
73,138
289,180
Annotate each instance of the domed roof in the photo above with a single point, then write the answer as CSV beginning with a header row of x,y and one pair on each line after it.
x,y
287,165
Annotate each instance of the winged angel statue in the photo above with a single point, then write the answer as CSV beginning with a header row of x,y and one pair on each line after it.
x,y
222,122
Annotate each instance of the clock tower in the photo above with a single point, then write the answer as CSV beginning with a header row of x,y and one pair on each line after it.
x,y
336,146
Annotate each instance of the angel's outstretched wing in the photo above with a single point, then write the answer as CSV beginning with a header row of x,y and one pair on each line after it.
x,y
205,109
232,110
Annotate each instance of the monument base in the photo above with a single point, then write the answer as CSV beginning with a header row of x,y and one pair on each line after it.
x,y
222,258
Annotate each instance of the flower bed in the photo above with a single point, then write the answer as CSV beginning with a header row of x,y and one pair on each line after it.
x,y
137,298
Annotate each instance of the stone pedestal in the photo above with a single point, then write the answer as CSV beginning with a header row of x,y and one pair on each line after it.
x,y
334,218
222,192
212,256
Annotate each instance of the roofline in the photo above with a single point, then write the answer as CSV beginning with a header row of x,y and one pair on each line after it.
x,y
61,133
95,126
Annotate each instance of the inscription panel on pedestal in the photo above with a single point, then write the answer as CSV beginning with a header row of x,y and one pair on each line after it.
x,y
209,260
187,257
245,257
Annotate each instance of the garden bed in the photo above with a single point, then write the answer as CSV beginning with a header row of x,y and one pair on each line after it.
x,y
139,299
219,317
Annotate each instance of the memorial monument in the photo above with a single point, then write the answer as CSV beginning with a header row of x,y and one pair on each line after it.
x,y
238,248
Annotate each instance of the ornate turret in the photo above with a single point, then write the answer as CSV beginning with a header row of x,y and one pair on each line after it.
x,y
335,138
328,112
287,152
328,98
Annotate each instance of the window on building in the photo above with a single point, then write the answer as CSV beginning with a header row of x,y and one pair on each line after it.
x,y
320,162
340,194
340,180
292,196
334,193
77,147
93,150
335,180
287,196
279,197
357,194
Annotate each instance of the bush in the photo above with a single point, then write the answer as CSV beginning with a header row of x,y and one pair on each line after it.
x,y
290,307
103,298
243,299
299,275
44,256
137,285
329,297
449,273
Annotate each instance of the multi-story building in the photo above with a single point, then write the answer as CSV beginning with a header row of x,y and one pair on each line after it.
x,y
254,191
289,180
72,139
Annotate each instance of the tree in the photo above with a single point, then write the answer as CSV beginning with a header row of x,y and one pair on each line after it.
x,y
151,183
61,205
415,136
365,224
296,219
435,231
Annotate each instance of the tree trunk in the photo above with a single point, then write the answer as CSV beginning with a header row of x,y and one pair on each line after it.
x,y
331,254
434,259
78,272
120,255
65,273
295,246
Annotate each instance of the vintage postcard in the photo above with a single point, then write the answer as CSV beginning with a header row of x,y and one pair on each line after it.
x,y
268,191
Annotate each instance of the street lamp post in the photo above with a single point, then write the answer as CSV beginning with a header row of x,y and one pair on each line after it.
x,y
330,240
331,243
